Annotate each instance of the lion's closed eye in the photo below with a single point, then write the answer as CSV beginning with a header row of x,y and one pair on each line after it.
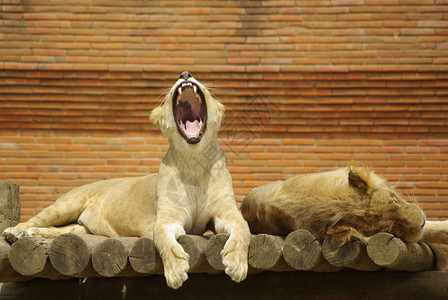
x,y
395,198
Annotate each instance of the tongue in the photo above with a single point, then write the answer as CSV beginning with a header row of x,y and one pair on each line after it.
x,y
192,128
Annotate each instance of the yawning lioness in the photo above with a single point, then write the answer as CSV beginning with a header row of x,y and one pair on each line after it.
x,y
192,190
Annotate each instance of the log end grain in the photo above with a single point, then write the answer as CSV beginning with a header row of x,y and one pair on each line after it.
x,y
144,257
265,251
385,249
29,255
302,250
109,257
213,251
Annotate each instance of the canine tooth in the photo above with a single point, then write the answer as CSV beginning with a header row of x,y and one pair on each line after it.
x,y
195,89
180,90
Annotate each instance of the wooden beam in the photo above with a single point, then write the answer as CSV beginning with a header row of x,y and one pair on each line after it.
x,y
265,253
352,254
7,272
388,251
9,205
144,258
213,251
84,255
110,257
303,252
29,257
71,254
266,285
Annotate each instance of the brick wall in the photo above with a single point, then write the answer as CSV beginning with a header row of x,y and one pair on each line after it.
x,y
308,86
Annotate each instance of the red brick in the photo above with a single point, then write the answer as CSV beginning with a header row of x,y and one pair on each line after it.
x,y
360,81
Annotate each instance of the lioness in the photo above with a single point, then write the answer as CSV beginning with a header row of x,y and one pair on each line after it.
x,y
193,189
347,202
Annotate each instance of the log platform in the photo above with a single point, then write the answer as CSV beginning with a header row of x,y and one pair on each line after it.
x,y
83,255
127,268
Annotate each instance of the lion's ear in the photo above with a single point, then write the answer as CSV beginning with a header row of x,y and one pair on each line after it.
x,y
355,180
156,115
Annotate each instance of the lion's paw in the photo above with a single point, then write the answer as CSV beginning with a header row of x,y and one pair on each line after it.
x,y
176,268
12,234
235,261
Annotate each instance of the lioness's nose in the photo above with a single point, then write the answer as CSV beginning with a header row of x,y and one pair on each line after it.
x,y
185,75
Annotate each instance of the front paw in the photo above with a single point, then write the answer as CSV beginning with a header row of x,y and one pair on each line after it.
x,y
234,258
176,267
12,234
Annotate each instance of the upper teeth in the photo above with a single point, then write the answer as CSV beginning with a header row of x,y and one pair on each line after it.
x,y
195,90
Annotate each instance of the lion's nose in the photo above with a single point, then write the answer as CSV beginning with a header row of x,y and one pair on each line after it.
x,y
185,75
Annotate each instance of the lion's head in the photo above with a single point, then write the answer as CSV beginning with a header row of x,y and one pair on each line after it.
x,y
385,209
370,206
188,113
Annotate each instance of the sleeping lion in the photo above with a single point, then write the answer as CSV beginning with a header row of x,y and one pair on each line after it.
x,y
347,202
192,190
341,204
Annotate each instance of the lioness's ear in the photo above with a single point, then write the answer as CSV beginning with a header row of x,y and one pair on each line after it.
x,y
155,115
355,180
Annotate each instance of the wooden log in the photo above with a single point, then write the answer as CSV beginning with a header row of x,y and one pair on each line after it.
x,y
265,253
388,251
213,251
352,254
71,254
9,205
196,246
302,251
144,257
110,257
29,257
7,272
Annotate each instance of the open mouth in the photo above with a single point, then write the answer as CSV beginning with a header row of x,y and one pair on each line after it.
x,y
190,111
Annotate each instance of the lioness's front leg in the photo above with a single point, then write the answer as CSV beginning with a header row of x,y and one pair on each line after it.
x,y
234,255
167,230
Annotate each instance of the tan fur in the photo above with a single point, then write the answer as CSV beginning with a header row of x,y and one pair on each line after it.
x,y
114,207
192,189
341,204
435,234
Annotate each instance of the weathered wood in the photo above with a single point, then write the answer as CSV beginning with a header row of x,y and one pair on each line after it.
x,y
71,254
7,272
29,257
352,254
195,246
267,285
388,251
302,251
213,251
144,257
9,205
110,257
265,253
